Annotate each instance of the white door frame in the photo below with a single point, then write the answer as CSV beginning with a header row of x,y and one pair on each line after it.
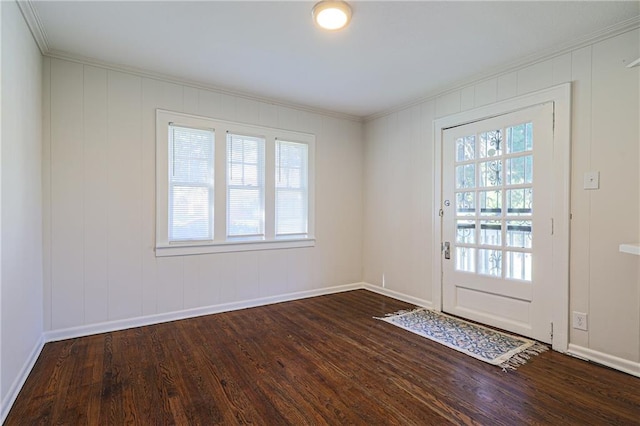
x,y
561,97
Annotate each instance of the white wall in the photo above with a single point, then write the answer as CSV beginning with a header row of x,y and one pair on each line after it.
x,y
605,137
21,208
99,202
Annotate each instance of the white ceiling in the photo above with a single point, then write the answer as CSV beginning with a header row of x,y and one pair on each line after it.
x,y
392,53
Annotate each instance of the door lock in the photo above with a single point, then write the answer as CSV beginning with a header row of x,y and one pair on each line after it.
x,y
446,249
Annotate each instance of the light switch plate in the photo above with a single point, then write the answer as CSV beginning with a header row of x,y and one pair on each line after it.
x,y
592,180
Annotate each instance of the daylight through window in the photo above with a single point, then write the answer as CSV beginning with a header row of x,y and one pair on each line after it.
x,y
224,186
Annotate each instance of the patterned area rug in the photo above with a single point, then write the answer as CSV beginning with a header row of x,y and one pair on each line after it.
x,y
488,345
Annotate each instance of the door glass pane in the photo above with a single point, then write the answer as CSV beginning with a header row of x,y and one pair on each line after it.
x,y
490,203
491,232
490,144
519,201
520,138
466,148
519,233
465,259
466,231
518,266
490,262
466,176
520,170
491,173
465,203
485,165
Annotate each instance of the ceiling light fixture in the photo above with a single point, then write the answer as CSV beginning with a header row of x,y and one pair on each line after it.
x,y
332,15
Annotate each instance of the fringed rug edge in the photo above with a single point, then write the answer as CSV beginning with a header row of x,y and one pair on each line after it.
x,y
508,362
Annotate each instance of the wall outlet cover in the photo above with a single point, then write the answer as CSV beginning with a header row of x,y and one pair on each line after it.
x,y
580,321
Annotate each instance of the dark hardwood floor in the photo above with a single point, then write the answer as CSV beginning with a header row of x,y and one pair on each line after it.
x,y
323,360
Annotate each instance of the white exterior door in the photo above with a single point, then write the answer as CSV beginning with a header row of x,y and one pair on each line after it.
x,y
497,221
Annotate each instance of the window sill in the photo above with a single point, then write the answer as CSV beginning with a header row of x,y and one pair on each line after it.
x,y
231,246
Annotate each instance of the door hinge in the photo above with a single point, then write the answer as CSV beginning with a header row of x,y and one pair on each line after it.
x,y
551,330
441,213
551,226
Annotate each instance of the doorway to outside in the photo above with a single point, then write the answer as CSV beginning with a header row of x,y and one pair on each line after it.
x,y
502,184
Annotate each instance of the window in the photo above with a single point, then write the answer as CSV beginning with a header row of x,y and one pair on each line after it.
x,y
245,186
291,188
190,184
223,186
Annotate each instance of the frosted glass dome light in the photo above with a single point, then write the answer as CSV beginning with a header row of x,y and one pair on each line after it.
x,y
332,15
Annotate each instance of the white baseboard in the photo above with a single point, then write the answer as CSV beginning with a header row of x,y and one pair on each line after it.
x,y
17,384
109,326
621,364
399,296
626,366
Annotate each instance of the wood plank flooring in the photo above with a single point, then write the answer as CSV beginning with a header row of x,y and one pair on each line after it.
x,y
323,360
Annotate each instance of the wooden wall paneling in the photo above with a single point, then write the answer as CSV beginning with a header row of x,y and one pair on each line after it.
x,y
273,272
170,284
448,104
156,94
346,179
209,104
306,279
287,118
46,192
375,191
96,185
427,115
220,276
67,175
125,195
580,198
312,123
192,282
228,107
298,277
338,177
420,203
467,98
535,77
400,232
125,167
243,277
190,100
247,111
562,68
507,86
486,92
268,115
207,276
615,207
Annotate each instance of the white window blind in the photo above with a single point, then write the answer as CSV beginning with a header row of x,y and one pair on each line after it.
x,y
245,186
190,183
292,194
253,189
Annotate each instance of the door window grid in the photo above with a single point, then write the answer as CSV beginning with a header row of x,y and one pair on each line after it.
x,y
494,202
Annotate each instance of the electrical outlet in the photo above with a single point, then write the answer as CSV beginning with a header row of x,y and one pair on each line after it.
x,y
580,321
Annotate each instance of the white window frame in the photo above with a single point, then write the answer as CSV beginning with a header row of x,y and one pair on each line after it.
x,y
260,187
220,242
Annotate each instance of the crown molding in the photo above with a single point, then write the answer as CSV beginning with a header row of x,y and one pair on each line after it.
x,y
558,50
40,37
140,72
35,24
